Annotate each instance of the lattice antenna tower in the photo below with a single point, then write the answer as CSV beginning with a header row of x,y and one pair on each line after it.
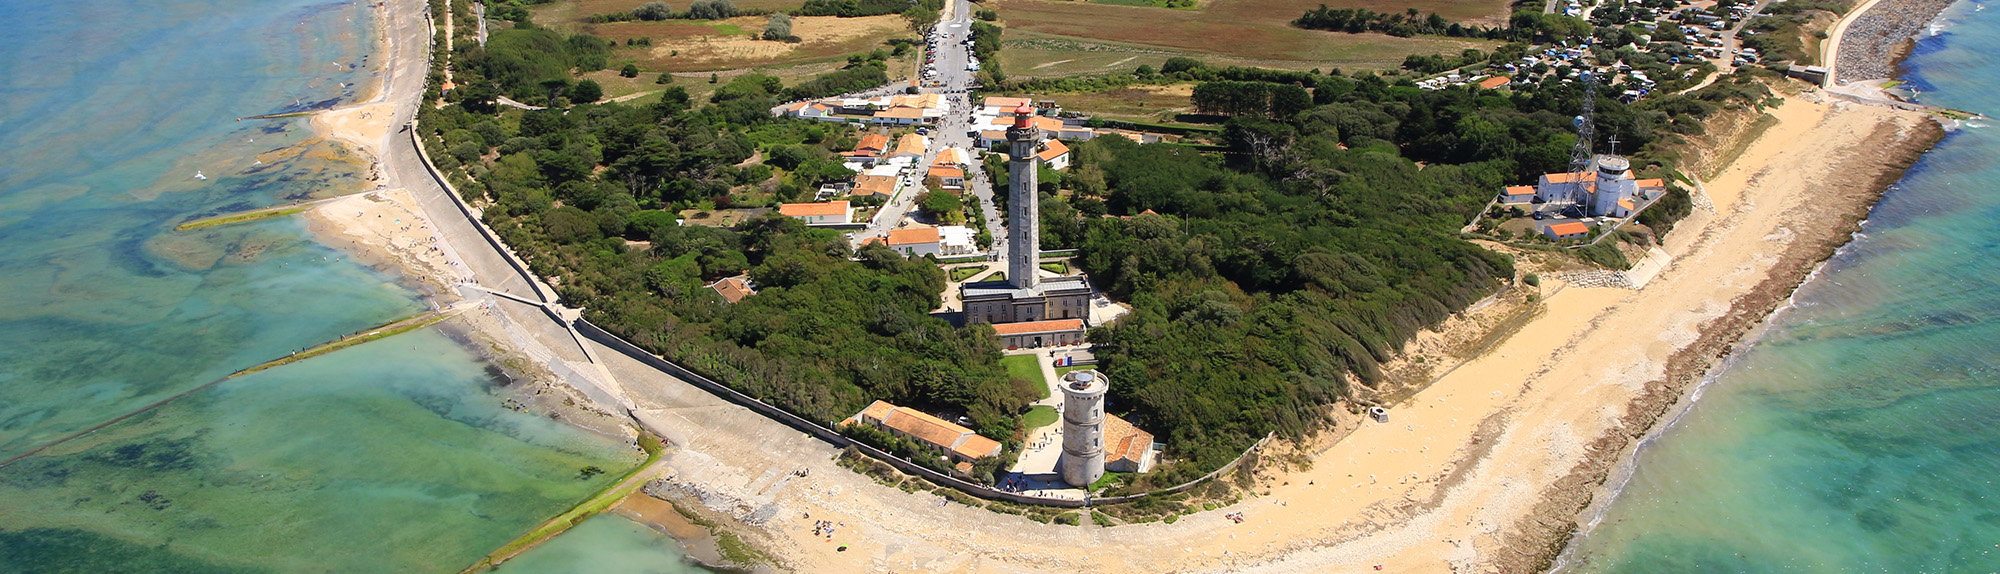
x,y
1584,155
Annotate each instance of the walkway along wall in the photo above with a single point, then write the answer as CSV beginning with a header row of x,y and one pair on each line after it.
x,y
466,210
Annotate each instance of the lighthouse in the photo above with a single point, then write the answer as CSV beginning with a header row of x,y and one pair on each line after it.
x,y
1024,231
1083,427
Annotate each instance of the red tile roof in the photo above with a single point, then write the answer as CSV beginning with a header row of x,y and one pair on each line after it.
x,y
732,289
873,142
1569,228
1053,326
812,209
1055,150
913,236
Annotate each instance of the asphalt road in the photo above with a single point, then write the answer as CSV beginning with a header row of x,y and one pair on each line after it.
x,y
953,81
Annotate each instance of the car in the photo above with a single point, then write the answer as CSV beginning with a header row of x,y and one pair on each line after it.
x,y
1540,216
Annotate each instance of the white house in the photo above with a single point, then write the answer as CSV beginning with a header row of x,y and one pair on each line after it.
x,y
916,242
829,213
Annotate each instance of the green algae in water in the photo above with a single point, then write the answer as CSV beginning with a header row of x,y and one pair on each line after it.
x,y
388,457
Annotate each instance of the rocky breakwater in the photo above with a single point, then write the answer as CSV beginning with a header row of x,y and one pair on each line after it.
x,y
1881,37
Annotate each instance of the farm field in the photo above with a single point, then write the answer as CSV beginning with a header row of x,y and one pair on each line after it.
x,y
729,44
1083,37
1136,103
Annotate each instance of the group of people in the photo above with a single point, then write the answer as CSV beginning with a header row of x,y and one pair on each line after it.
x,y
1236,517
825,528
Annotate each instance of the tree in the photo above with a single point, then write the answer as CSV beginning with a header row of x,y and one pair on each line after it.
x,y
779,28
653,11
665,78
921,18
586,91
629,71
711,10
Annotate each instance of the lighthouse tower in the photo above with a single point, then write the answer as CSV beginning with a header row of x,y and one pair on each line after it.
x,y
1083,427
1024,231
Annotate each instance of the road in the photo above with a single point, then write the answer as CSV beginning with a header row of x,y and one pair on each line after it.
x,y
950,58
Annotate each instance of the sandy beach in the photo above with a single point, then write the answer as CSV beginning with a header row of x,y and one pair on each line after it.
x,y
1486,470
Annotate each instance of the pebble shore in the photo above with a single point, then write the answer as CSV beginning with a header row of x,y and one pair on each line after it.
x,y
1873,43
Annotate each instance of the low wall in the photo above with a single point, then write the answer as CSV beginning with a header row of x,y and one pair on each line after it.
x,y
484,232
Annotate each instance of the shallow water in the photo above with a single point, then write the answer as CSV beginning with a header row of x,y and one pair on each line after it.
x,y
1859,434
394,456
605,543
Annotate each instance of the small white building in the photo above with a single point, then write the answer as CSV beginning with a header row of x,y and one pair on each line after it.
x,y
955,240
829,213
916,242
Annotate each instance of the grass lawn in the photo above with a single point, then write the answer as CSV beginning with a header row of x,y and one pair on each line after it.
x,y
963,273
1038,417
1025,367
1056,267
1102,37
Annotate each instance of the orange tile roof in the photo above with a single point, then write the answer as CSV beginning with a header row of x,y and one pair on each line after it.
x,y
963,468
925,427
1052,326
866,185
1122,441
913,236
1627,204
1651,184
732,289
911,144
901,113
877,410
873,142
993,134
949,157
942,172
1006,102
1043,123
1055,150
1565,177
1569,228
977,446
1494,82
811,209
1520,190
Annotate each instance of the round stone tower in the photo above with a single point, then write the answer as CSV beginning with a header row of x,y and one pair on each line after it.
x,y
1083,427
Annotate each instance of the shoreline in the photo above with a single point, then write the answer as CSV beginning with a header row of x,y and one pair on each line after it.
x,y
1537,458
1693,367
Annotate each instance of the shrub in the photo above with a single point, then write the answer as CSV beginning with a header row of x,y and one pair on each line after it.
x,y
779,28
711,10
653,11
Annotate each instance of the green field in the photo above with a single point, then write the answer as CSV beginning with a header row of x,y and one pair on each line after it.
x,y
1051,38
1038,417
1026,368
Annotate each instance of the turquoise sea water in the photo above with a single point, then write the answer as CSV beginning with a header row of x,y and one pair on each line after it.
x,y
394,456
1861,433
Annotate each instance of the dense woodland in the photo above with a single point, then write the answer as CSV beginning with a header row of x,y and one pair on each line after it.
x,y
1268,279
